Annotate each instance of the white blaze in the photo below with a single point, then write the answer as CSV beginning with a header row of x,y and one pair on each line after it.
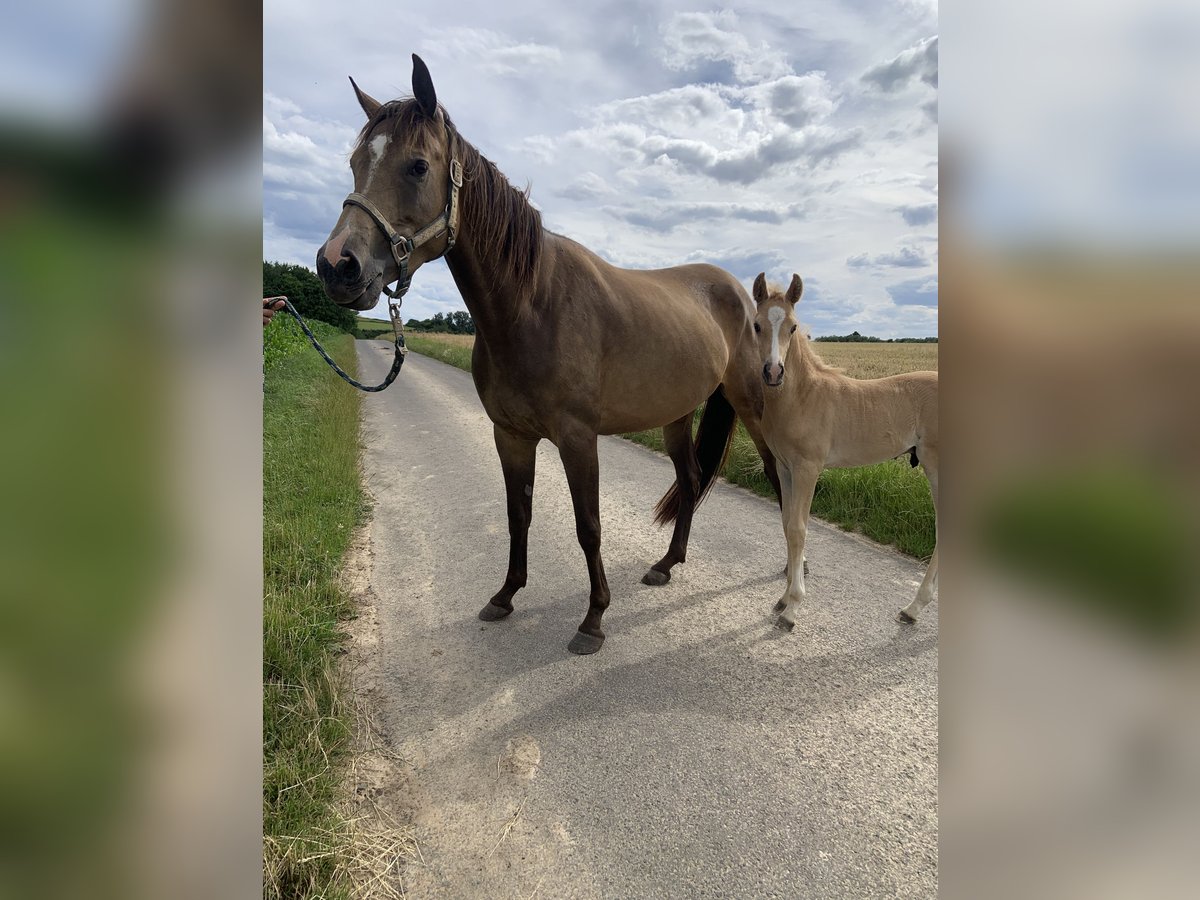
x,y
776,316
377,147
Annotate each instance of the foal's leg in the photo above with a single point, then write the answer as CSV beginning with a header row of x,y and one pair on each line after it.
x,y
747,400
517,458
577,447
909,614
678,438
798,493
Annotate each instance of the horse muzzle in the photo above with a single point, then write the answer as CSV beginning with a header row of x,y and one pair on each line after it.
x,y
773,374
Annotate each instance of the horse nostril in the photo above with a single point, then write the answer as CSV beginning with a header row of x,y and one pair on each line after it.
x,y
348,267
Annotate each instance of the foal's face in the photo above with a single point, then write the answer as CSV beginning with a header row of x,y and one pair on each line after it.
x,y
774,325
402,167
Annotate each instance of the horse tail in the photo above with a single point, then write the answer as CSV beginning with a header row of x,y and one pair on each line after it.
x,y
713,439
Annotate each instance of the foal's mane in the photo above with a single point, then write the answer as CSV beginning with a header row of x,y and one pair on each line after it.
x,y
504,227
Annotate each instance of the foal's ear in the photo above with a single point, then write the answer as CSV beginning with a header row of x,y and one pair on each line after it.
x,y
423,87
760,287
369,104
794,289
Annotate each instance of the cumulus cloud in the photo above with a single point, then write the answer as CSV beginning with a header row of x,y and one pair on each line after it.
x,y
694,37
915,292
919,214
668,216
588,186
917,63
491,51
904,258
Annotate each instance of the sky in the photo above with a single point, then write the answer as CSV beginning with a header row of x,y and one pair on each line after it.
x,y
756,136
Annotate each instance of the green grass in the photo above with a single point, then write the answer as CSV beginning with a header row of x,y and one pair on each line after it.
x,y
889,502
312,499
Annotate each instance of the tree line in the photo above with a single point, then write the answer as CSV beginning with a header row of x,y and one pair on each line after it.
x,y
457,322
855,338
304,289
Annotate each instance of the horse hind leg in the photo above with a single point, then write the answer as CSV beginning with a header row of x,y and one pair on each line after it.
x,y
925,592
909,614
678,438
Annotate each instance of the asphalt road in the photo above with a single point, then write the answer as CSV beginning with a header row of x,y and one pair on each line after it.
x,y
702,752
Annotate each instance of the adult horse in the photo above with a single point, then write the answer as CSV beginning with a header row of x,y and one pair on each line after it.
x,y
567,346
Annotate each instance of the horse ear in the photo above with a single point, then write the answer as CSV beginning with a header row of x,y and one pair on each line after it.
x,y
760,287
369,104
795,289
423,87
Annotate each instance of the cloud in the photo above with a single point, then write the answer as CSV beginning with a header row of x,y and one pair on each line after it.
x,y
919,214
905,258
919,62
668,216
915,292
760,155
797,100
588,186
693,37
490,51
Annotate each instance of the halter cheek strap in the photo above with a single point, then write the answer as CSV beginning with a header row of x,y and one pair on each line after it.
x,y
402,247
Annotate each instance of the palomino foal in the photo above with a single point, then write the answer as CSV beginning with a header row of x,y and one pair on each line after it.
x,y
815,417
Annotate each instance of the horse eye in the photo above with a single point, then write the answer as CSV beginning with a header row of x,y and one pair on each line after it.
x,y
419,168
793,331
757,327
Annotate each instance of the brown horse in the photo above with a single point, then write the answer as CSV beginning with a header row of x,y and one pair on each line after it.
x,y
567,346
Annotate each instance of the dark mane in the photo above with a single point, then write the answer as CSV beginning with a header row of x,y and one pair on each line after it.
x,y
503,226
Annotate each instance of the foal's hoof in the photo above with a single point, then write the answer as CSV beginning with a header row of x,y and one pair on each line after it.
x,y
781,606
784,624
904,618
656,578
585,644
492,612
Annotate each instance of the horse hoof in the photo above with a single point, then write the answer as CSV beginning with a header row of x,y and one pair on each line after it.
x,y
781,606
585,644
656,578
492,612
904,618
784,624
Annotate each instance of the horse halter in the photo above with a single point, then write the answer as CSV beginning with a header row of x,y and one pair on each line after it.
x,y
402,247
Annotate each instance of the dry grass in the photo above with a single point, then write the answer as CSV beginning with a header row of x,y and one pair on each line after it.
x,y
878,360
453,340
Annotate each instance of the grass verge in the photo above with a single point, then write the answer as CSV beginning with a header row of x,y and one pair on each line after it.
x,y
889,502
312,499
454,349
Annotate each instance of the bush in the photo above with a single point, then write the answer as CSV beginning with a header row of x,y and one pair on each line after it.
x,y
304,289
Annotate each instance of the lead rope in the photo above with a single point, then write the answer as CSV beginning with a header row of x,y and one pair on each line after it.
x,y
401,349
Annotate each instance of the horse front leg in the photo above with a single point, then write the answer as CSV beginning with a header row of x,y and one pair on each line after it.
x,y
798,486
517,458
577,448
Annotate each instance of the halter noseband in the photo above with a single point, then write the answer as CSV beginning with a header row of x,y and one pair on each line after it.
x,y
402,247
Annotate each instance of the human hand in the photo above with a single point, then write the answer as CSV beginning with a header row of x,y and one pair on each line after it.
x,y
270,306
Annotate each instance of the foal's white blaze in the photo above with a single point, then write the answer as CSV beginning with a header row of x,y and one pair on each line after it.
x,y
776,316
377,147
